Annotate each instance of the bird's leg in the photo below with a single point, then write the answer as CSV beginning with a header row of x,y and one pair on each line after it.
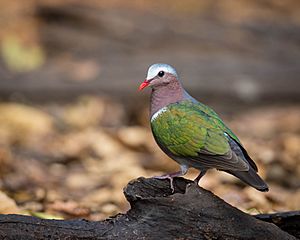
x,y
170,176
197,179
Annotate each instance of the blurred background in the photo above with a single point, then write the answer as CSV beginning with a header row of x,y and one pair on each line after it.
x,y
74,129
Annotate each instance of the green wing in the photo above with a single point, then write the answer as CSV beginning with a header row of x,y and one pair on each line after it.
x,y
194,131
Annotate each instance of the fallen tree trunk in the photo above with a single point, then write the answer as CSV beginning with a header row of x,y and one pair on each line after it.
x,y
287,221
189,213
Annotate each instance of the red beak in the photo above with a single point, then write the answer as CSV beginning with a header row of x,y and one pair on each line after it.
x,y
143,85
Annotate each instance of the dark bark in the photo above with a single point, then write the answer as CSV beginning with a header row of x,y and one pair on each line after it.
x,y
287,221
189,213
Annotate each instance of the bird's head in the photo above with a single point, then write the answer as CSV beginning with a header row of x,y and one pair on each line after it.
x,y
159,74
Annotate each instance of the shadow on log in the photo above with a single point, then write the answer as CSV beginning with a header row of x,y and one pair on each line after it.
x,y
189,213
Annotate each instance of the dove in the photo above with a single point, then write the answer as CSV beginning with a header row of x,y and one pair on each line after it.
x,y
193,134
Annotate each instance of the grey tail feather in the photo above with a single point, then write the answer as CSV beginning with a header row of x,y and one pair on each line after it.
x,y
251,177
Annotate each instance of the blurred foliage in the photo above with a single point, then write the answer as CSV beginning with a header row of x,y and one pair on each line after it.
x,y
20,26
73,160
7,205
17,125
21,58
45,215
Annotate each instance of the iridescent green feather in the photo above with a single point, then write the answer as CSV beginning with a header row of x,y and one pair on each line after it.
x,y
187,128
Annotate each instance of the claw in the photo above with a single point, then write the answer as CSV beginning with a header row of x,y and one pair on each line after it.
x,y
171,185
167,176
170,176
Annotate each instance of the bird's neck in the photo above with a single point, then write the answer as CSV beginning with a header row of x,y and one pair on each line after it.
x,y
165,95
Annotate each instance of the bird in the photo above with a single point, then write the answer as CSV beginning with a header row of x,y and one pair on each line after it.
x,y
193,134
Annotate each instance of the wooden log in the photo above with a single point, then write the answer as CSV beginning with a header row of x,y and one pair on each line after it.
x,y
190,212
287,221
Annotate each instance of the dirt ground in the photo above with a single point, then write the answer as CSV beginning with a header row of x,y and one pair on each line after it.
x,y
72,160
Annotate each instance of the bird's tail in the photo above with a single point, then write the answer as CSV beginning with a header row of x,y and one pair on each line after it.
x,y
251,177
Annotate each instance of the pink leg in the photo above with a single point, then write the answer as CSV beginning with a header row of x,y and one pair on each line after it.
x,y
170,176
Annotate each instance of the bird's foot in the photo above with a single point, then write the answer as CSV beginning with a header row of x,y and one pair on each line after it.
x,y
170,176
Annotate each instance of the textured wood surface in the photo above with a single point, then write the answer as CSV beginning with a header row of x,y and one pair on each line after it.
x,y
189,213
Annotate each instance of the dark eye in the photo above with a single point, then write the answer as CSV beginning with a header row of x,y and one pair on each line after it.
x,y
161,74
